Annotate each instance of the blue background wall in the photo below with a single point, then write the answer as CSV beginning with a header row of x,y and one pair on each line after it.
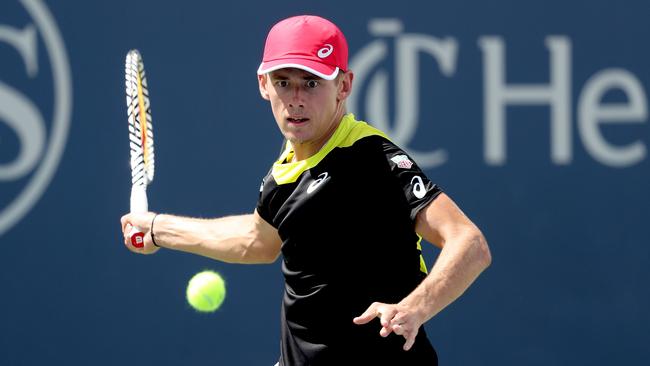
x,y
568,285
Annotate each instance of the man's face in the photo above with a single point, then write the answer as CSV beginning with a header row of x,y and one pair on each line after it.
x,y
306,107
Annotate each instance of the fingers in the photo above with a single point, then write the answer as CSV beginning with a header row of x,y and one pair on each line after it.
x,y
410,340
142,222
405,325
367,315
147,248
385,312
387,315
126,227
124,221
392,320
126,230
398,329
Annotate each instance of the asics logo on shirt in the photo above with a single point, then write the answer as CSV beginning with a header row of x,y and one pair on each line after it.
x,y
418,187
325,51
322,178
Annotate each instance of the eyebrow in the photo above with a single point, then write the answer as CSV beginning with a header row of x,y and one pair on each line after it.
x,y
284,76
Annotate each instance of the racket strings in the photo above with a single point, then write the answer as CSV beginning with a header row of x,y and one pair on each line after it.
x,y
138,108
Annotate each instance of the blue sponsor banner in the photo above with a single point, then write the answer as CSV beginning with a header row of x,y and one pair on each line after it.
x,y
533,116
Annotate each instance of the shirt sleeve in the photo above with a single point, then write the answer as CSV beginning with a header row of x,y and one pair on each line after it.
x,y
418,189
262,206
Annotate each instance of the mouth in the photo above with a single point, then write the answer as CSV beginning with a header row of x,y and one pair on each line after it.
x,y
297,120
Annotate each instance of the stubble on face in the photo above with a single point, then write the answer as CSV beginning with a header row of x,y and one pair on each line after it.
x,y
305,106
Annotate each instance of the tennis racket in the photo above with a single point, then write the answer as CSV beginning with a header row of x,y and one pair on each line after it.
x,y
140,138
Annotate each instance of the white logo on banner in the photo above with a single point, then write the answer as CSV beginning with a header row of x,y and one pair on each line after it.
x,y
39,154
407,68
591,110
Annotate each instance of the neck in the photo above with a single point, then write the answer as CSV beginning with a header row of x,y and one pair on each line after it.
x,y
306,150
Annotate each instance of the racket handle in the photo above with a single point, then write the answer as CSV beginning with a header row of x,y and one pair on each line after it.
x,y
138,204
137,237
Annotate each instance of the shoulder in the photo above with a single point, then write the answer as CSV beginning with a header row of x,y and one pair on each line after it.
x,y
351,131
369,142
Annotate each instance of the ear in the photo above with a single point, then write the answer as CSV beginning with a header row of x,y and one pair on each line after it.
x,y
261,80
345,86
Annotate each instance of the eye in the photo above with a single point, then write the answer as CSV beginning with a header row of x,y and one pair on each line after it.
x,y
282,83
312,83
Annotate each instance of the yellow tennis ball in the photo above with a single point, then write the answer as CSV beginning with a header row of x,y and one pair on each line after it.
x,y
206,291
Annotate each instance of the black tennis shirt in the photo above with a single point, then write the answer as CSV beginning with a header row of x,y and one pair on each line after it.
x,y
346,217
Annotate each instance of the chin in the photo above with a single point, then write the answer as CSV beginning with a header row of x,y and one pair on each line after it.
x,y
295,140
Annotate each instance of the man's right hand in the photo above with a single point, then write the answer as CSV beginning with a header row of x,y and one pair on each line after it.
x,y
143,222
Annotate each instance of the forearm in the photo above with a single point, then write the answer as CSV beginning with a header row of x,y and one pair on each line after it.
x,y
460,262
232,239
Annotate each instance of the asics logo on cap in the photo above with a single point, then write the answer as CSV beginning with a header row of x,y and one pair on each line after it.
x,y
325,51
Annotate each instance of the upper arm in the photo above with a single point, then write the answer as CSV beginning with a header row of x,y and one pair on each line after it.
x,y
417,189
441,220
267,240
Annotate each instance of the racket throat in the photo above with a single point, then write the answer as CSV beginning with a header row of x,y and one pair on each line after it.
x,y
139,198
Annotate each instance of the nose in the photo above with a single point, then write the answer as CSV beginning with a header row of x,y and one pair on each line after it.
x,y
296,99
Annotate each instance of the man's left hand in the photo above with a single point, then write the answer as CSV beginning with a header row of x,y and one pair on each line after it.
x,y
394,318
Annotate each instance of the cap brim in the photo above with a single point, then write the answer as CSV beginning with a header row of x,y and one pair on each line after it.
x,y
321,70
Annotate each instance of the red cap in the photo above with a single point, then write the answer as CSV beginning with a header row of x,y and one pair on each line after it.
x,y
306,42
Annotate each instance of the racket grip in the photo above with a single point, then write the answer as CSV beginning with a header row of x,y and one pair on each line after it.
x,y
139,204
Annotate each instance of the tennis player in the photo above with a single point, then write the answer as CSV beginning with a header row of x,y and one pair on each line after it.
x,y
347,210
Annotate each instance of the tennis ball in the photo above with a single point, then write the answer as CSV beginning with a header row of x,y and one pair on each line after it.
x,y
206,291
